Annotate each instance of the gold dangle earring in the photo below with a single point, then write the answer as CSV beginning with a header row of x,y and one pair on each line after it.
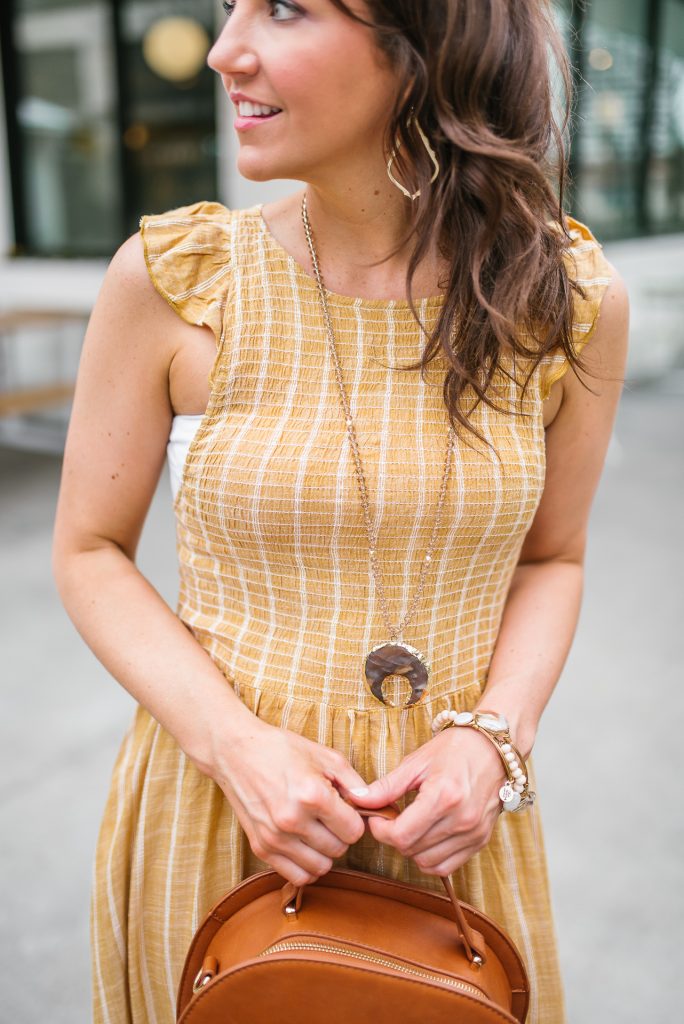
x,y
431,153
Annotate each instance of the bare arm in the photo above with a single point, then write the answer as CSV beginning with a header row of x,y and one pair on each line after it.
x,y
114,454
458,774
543,605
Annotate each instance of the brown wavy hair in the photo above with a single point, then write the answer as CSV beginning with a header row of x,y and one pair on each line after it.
x,y
478,78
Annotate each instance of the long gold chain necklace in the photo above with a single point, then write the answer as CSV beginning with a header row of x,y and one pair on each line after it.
x,y
393,656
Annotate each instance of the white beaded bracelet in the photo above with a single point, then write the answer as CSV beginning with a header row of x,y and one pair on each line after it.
x,y
515,793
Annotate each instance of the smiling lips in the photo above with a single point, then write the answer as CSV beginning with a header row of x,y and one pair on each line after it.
x,y
248,109
249,115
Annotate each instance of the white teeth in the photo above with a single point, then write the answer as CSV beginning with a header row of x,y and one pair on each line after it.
x,y
246,109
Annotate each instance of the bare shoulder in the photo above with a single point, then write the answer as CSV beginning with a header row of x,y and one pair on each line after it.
x,y
128,297
578,437
145,331
127,341
605,357
121,414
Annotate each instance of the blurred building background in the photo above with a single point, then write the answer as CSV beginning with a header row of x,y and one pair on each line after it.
x,y
107,111
110,112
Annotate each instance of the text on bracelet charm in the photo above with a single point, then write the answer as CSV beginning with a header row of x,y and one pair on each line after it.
x,y
509,798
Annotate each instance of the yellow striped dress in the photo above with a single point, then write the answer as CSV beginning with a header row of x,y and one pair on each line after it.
x,y
276,586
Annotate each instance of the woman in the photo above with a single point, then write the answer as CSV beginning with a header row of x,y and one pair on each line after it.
x,y
421,133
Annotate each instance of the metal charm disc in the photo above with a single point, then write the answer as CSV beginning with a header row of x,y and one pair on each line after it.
x,y
400,659
506,792
510,799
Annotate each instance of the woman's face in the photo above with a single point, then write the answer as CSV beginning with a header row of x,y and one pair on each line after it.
x,y
322,70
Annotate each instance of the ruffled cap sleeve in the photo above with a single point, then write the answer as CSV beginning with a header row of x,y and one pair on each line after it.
x,y
187,252
588,266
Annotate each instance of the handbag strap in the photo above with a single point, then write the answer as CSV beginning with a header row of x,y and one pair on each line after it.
x,y
473,942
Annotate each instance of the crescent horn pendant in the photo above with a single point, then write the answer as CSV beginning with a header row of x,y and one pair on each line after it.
x,y
400,659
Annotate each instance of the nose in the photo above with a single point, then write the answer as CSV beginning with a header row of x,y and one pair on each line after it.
x,y
233,53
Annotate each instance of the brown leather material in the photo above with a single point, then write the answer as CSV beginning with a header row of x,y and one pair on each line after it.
x,y
350,945
210,968
291,898
289,991
473,942
389,813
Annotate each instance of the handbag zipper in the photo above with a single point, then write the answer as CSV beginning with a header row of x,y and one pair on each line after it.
x,y
288,944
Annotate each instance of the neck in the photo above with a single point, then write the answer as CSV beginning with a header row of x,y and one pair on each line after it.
x,y
357,218
359,225
357,229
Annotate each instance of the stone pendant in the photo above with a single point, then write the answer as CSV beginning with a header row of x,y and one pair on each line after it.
x,y
400,659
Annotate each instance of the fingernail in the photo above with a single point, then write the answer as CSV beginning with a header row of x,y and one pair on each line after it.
x,y
360,792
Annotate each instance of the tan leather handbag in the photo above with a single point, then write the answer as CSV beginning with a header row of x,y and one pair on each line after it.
x,y
350,948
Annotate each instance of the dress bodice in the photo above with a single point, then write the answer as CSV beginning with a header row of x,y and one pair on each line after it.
x,y
274,563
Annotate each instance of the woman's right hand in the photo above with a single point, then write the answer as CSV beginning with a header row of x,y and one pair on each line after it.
x,y
285,790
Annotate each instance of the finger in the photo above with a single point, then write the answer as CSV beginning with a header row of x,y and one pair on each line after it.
x,y
299,853
338,771
340,819
380,830
390,833
319,837
290,870
443,829
390,787
452,863
469,829
301,821
462,823
449,826
440,852
406,831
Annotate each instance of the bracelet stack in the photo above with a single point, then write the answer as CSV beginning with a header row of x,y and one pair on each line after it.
x,y
515,793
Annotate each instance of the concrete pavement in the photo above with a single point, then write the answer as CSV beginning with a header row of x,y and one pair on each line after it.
x,y
608,757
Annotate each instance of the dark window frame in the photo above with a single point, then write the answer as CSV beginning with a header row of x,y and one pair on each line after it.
x,y
580,15
12,88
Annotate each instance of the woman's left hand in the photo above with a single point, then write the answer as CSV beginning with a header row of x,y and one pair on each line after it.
x,y
458,775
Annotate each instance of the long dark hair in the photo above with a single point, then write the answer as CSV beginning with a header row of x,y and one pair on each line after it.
x,y
478,77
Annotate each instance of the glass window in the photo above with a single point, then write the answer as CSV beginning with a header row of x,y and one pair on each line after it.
x,y
666,179
168,109
628,147
66,146
113,116
609,140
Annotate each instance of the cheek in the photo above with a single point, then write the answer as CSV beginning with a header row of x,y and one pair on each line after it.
x,y
333,83
297,81
332,98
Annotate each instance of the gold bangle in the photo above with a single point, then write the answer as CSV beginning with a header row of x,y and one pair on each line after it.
x,y
515,793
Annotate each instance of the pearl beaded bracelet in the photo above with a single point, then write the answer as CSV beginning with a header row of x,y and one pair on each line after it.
x,y
515,793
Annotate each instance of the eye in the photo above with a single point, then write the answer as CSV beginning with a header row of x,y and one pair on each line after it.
x,y
276,5
283,5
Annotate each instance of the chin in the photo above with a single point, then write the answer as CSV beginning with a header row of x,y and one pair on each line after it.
x,y
256,166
